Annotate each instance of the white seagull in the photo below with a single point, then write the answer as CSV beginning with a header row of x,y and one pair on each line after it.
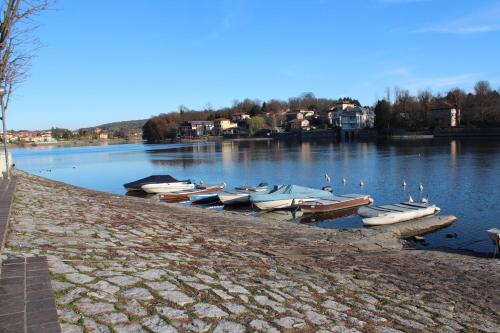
x,y
404,183
344,181
425,199
327,177
410,199
361,183
421,187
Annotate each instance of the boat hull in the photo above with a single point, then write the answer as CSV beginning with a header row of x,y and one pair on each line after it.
x,y
184,195
396,217
167,187
228,198
274,204
311,207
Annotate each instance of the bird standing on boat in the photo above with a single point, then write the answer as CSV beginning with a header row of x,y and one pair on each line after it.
x,y
410,199
421,187
327,177
425,199
361,183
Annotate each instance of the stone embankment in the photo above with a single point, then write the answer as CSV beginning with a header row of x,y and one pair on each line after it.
x,y
123,264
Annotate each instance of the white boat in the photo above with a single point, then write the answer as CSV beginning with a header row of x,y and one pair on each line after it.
x,y
389,214
234,198
287,196
494,235
167,187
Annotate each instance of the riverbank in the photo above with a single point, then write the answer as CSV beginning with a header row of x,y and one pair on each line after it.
x,y
125,264
74,143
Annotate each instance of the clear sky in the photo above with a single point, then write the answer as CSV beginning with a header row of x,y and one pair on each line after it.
x,y
112,60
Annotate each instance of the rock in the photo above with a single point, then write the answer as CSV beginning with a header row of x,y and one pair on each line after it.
x,y
102,296
141,294
160,286
176,297
197,326
263,326
114,318
317,318
225,326
131,328
158,325
204,310
69,328
124,280
104,286
92,327
151,274
197,286
79,278
71,296
235,308
60,267
290,322
60,286
68,316
222,294
89,307
330,304
171,313
134,308
234,288
385,329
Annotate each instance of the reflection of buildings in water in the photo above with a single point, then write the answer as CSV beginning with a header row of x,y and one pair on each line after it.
x,y
305,152
183,162
453,151
227,150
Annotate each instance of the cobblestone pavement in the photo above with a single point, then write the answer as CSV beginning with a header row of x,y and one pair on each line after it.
x,y
123,264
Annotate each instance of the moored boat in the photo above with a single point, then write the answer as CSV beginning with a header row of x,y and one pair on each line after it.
x,y
204,198
389,214
154,179
287,196
168,187
184,195
241,195
337,202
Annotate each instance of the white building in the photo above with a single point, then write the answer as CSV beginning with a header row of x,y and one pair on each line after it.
x,y
353,118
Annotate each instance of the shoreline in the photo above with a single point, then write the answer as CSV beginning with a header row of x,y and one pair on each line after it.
x,y
159,265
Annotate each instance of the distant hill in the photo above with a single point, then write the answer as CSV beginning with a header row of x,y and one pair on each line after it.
x,y
128,124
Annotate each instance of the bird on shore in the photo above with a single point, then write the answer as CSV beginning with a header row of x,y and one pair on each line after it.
x,y
410,199
361,183
328,179
421,187
404,183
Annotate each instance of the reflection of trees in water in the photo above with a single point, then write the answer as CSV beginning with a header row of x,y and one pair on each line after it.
x,y
183,161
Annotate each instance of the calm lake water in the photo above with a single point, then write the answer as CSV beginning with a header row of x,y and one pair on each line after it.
x,y
462,176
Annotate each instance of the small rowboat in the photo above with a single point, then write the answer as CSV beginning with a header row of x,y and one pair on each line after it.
x,y
241,195
184,195
337,202
204,198
154,179
389,214
167,187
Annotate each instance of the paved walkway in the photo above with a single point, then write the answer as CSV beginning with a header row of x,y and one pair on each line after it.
x,y
7,188
26,298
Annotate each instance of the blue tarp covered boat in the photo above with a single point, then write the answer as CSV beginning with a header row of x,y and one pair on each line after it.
x,y
287,196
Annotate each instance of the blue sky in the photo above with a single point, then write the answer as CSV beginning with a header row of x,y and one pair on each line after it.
x,y
111,60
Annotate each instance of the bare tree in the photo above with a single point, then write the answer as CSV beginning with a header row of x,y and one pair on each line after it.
x,y
17,47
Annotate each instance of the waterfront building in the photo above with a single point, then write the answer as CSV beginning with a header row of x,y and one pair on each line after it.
x,y
299,124
353,118
240,116
196,128
444,115
222,125
299,114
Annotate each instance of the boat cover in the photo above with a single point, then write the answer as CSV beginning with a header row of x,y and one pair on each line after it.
x,y
154,179
283,192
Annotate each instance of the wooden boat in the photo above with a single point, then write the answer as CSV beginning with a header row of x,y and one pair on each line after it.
x,y
389,214
184,195
287,196
337,202
204,198
262,187
168,187
154,179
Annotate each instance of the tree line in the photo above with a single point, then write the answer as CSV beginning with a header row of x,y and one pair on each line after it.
x,y
264,114
477,109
